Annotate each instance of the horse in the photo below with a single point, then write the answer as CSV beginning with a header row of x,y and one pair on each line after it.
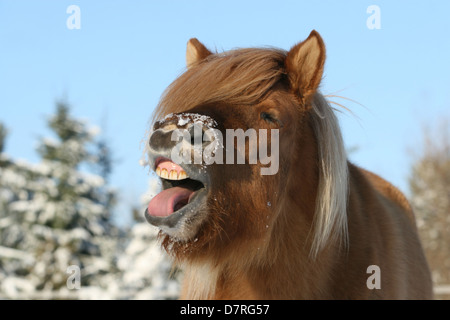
x,y
319,227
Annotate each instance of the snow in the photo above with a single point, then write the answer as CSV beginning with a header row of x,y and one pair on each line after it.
x,y
196,118
8,253
15,286
94,131
143,162
146,268
182,122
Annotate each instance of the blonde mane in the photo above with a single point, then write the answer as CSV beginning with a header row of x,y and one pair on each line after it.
x,y
331,203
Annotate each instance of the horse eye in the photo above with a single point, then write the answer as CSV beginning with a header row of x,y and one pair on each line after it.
x,y
271,119
267,117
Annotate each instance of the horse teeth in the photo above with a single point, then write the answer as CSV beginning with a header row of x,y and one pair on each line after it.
x,y
182,175
173,175
164,174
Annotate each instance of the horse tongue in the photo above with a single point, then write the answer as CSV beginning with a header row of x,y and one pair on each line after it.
x,y
168,201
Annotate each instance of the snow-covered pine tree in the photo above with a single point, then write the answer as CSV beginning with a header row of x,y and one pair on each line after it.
x,y
54,215
146,271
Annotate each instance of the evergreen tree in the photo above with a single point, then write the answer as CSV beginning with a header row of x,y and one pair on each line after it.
x,y
55,215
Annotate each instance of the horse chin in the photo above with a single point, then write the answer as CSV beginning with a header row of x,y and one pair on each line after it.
x,y
187,212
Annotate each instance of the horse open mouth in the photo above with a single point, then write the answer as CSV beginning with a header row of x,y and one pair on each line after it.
x,y
184,193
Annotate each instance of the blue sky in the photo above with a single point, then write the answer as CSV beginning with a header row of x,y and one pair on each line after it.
x,y
114,69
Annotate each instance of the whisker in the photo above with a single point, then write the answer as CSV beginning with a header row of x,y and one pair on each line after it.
x,y
343,108
345,98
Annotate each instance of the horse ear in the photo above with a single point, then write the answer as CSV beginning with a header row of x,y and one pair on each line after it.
x,y
195,52
304,65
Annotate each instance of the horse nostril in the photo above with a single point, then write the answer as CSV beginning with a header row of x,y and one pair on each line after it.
x,y
157,138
